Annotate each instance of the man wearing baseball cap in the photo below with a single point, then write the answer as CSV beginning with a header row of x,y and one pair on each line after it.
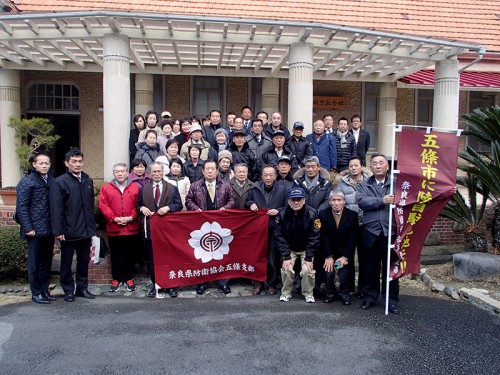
x,y
299,145
297,236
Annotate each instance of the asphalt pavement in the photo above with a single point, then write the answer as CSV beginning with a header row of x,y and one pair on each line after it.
x,y
253,335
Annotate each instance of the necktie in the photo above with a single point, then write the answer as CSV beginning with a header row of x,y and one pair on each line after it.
x,y
211,192
157,194
336,216
45,178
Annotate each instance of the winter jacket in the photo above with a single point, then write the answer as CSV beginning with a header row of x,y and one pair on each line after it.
x,y
182,184
240,193
147,153
194,173
271,157
370,199
301,148
245,156
113,203
206,152
297,232
72,207
325,149
139,181
275,198
33,204
344,154
268,130
258,148
349,189
317,196
197,196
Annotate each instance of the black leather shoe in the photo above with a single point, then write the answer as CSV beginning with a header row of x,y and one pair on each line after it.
x,y
40,299
152,293
173,292
328,299
48,296
225,289
393,308
367,305
346,299
85,294
200,289
69,297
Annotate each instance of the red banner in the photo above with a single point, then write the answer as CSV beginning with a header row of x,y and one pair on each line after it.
x,y
196,247
427,162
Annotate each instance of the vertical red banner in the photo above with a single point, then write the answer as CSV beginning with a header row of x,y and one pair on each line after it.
x,y
196,247
427,164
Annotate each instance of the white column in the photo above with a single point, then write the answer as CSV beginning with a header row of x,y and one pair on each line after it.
x,y
116,87
10,106
143,93
446,90
300,85
270,95
386,116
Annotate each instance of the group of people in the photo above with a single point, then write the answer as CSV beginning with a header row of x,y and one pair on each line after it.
x,y
322,204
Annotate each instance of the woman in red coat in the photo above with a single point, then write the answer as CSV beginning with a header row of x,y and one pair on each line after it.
x,y
117,202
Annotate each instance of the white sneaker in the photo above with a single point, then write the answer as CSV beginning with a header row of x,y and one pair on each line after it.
x,y
310,299
285,298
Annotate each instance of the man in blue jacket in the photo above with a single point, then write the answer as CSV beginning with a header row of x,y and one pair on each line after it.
x,y
73,223
33,214
323,146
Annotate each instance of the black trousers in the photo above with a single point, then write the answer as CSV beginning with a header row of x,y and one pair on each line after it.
x,y
82,249
122,250
375,256
345,276
151,261
40,251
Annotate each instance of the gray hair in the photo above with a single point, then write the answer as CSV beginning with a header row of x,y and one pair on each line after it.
x,y
123,165
311,159
336,193
240,165
378,154
156,163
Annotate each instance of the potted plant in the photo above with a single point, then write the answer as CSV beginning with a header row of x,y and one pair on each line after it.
x,y
33,136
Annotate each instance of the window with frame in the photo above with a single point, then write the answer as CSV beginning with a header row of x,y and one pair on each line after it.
x,y
256,95
425,107
370,110
53,97
207,95
480,99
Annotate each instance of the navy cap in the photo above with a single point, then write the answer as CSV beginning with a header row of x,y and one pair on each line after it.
x,y
298,125
296,192
285,158
278,132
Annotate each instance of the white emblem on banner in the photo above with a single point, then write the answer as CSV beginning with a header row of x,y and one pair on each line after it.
x,y
211,241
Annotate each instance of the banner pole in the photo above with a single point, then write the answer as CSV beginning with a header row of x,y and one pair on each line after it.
x,y
391,208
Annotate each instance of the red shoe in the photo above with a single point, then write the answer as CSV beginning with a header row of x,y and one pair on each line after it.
x,y
130,285
115,285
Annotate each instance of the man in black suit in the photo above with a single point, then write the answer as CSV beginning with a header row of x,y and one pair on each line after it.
x,y
339,227
158,197
362,138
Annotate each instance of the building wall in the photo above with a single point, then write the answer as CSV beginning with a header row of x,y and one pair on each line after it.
x,y
178,91
237,96
351,91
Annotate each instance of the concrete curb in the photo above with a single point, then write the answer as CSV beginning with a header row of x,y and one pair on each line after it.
x,y
477,297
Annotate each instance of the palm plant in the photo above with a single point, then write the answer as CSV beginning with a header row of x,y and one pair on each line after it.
x,y
484,125
467,213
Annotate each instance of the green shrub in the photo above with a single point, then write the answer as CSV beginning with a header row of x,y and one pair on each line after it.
x,y
13,254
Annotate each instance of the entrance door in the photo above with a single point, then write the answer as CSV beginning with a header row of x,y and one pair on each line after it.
x,y
68,128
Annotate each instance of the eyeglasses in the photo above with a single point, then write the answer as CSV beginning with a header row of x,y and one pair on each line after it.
x,y
296,199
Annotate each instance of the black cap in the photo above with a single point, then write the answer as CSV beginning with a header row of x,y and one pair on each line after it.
x,y
298,125
284,158
239,132
278,132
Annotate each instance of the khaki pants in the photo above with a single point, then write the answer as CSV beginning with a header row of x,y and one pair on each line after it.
x,y
288,276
